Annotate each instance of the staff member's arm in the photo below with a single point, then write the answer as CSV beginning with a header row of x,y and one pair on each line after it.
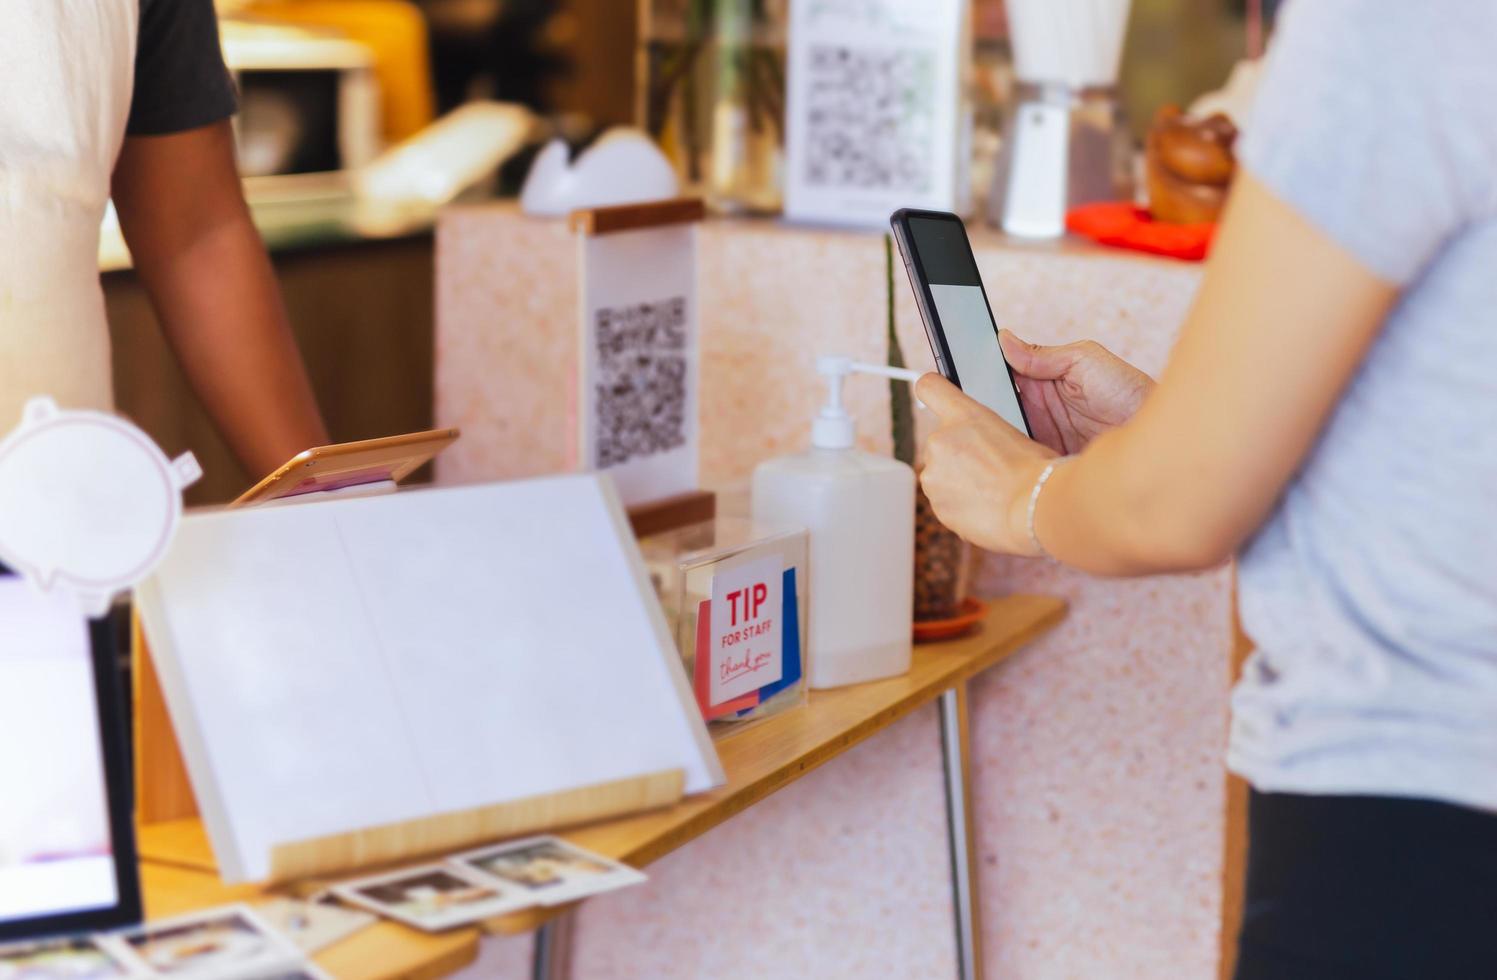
x,y
200,257
1283,318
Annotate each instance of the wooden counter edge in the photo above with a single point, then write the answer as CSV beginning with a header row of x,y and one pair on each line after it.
x,y
368,952
635,217
792,770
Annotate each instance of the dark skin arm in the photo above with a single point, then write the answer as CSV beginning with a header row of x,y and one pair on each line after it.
x,y
182,210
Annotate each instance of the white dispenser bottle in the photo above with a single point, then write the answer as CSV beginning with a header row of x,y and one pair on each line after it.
x,y
860,511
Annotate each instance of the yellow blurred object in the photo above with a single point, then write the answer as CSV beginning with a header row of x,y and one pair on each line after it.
x,y
394,30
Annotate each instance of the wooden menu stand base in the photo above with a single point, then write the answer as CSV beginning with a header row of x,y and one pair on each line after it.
x,y
448,833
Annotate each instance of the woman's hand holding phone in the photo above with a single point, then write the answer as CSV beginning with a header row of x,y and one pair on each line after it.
x,y
980,471
1074,392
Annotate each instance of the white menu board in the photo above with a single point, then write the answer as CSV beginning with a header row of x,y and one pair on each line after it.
x,y
351,663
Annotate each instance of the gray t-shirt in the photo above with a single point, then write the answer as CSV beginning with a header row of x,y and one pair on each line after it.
x,y
1371,592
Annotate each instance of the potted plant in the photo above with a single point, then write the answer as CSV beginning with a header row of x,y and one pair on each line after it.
x,y
713,96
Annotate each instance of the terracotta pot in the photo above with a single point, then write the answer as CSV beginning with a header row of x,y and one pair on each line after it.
x,y
941,564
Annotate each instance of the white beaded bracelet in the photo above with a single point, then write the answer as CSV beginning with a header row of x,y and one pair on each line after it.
x,y
1034,500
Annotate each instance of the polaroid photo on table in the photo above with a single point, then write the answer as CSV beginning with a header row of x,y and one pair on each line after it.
x,y
550,870
63,959
222,944
433,897
314,926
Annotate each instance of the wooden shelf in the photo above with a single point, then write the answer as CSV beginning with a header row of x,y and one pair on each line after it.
x,y
759,760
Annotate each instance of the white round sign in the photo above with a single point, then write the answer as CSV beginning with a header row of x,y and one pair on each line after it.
x,y
88,502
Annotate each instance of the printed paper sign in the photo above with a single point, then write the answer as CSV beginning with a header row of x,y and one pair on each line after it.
x,y
701,673
638,383
872,121
746,608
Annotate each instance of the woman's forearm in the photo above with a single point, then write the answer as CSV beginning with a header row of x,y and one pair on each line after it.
x,y
1108,512
1283,318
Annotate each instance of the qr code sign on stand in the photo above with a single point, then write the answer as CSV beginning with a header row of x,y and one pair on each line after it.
x,y
639,390
870,126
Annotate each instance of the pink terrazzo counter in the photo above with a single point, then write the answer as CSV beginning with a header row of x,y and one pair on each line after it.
x,y
1099,783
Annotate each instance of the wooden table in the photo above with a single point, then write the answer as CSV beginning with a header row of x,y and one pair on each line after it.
x,y
758,761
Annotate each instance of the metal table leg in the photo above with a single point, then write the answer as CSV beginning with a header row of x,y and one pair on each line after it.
x,y
957,768
552,959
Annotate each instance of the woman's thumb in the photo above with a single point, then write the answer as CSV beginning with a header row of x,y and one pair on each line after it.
x,y
1032,360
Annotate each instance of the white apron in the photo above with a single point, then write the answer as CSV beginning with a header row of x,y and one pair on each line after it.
x,y
66,76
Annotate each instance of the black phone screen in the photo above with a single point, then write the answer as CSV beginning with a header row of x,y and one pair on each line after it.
x,y
943,268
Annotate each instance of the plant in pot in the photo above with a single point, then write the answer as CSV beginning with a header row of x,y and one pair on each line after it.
x,y
942,558
712,94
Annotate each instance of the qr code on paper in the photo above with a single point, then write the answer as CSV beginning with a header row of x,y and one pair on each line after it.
x,y
869,116
639,391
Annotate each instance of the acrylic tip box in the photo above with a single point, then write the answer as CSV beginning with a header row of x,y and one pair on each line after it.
x,y
735,596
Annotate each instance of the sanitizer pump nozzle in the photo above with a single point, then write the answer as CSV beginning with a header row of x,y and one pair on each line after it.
x,y
833,428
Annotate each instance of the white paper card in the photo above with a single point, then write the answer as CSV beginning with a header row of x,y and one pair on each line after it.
x,y
358,662
228,943
434,897
873,120
746,604
637,392
548,870
313,926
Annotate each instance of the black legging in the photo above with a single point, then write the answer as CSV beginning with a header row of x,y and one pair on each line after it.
x,y
1343,887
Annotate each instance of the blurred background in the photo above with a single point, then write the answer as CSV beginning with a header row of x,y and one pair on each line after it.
x,y
361,118
579,57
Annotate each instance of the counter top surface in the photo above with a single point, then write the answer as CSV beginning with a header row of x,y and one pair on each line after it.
x,y
982,235
314,219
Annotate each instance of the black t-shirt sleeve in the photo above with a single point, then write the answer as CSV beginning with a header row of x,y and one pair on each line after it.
x,y
180,79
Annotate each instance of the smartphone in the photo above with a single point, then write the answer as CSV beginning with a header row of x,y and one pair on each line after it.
x,y
958,322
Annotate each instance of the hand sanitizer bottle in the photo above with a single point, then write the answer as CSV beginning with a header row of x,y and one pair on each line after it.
x,y
860,511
